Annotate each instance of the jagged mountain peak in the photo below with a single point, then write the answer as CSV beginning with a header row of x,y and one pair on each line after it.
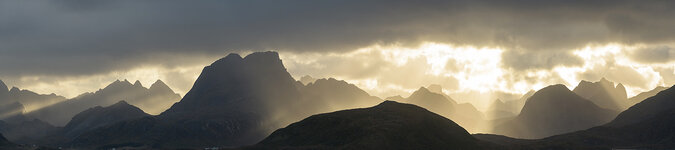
x,y
159,85
14,90
138,83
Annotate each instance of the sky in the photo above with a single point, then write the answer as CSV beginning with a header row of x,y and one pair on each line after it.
x,y
477,50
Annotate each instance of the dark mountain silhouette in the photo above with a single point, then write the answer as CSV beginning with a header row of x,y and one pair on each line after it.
x,y
464,114
235,101
4,91
98,116
156,99
25,130
389,125
6,144
554,110
604,94
662,102
644,95
646,125
305,80
30,100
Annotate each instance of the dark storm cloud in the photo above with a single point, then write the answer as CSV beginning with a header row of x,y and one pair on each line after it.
x,y
88,37
658,54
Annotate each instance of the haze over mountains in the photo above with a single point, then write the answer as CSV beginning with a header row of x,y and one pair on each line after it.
x,y
155,99
252,101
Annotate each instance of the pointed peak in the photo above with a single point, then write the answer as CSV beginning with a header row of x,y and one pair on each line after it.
x,y
159,85
138,83
620,86
15,89
120,103
422,90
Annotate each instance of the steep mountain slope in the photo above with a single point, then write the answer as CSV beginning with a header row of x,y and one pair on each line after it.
x,y
4,92
554,110
644,95
662,102
235,101
156,99
389,125
98,116
604,94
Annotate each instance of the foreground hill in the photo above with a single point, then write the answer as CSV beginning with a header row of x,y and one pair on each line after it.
x,y
389,125
554,110
155,99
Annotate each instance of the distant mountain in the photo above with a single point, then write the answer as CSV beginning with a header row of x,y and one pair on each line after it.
x,y
554,110
156,99
464,114
305,80
327,95
98,116
30,100
389,125
604,94
507,108
644,95
500,109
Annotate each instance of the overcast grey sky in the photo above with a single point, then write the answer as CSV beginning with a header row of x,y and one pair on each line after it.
x,y
42,42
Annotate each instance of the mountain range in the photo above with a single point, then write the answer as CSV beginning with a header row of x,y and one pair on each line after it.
x,y
155,99
235,101
252,101
29,100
